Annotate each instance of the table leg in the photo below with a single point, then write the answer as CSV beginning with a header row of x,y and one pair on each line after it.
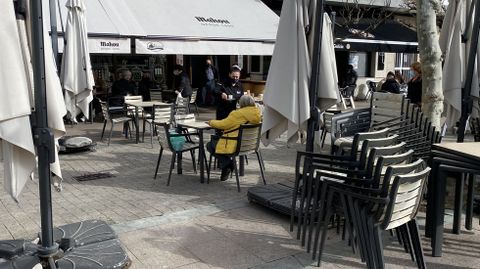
x,y
470,196
457,210
431,200
201,154
439,207
241,171
137,133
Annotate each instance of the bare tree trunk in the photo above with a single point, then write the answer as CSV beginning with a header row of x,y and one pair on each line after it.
x,y
430,55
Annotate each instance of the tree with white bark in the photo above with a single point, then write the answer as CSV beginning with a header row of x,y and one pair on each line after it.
x,y
431,60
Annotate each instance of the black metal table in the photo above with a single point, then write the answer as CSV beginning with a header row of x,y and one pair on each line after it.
x,y
458,158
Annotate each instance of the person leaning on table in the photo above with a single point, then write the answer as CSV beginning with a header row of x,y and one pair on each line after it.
x,y
247,113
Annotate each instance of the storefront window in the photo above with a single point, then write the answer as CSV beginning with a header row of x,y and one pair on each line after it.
x,y
361,63
403,61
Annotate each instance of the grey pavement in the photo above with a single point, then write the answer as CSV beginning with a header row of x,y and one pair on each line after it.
x,y
194,225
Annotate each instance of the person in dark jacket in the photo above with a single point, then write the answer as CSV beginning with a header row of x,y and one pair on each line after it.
x,y
415,85
210,77
124,86
228,93
350,78
145,85
121,88
391,85
181,82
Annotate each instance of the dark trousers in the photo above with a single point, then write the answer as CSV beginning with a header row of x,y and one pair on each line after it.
x,y
223,161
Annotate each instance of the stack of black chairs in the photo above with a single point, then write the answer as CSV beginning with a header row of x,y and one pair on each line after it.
x,y
372,180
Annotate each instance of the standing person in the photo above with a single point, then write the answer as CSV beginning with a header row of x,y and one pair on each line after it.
x,y
228,93
415,85
145,85
247,113
350,78
391,85
210,77
121,88
181,82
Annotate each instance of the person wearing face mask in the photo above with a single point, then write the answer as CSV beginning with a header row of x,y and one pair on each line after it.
x,y
228,93
181,82
210,77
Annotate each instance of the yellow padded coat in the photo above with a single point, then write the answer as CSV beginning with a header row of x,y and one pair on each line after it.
x,y
249,114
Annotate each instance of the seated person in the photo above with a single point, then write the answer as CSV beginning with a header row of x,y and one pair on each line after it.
x,y
247,113
391,85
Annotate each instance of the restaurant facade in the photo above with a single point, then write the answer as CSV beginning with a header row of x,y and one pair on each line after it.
x,y
153,36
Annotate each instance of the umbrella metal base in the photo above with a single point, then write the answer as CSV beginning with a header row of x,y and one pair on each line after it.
x,y
88,244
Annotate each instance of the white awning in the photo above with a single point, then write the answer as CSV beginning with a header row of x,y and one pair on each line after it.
x,y
104,45
202,47
214,27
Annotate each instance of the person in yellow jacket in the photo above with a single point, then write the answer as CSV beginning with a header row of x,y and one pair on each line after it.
x,y
247,113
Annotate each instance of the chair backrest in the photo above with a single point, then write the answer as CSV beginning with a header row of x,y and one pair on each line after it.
x,y
138,98
184,118
377,152
405,196
156,95
135,98
181,105
350,123
105,112
162,114
368,144
163,134
387,108
193,98
248,139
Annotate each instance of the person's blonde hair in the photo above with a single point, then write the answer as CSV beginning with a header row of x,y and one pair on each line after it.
x,y
417,66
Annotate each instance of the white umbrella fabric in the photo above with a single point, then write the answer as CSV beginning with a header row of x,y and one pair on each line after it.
x,y
76,74
17,148
455,65
286,97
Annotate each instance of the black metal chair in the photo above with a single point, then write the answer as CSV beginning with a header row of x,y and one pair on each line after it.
x,y
394,205
160,114
475,127
165,139
113,120
247,142
193,101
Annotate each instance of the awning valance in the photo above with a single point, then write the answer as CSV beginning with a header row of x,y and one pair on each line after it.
x,y
213,27
390,36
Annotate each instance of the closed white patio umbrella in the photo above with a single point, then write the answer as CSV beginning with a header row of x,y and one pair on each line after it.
x,y
456,58
16,84
76,73
286,97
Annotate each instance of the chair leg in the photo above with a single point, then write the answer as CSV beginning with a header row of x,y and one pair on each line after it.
x,y
457,212
261,168
151,134
205,160
377,236
172,164
236,173
110,135
209,168
192,153
417,244
158,162
103,130
261,157
324,135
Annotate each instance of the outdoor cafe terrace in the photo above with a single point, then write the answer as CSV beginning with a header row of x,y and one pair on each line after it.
x,y
194,225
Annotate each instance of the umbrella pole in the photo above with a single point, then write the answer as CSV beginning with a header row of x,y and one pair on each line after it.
x,y
43,135
53,29
313,87
466,91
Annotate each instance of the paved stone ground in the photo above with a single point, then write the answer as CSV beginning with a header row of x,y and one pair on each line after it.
x,y
193,225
